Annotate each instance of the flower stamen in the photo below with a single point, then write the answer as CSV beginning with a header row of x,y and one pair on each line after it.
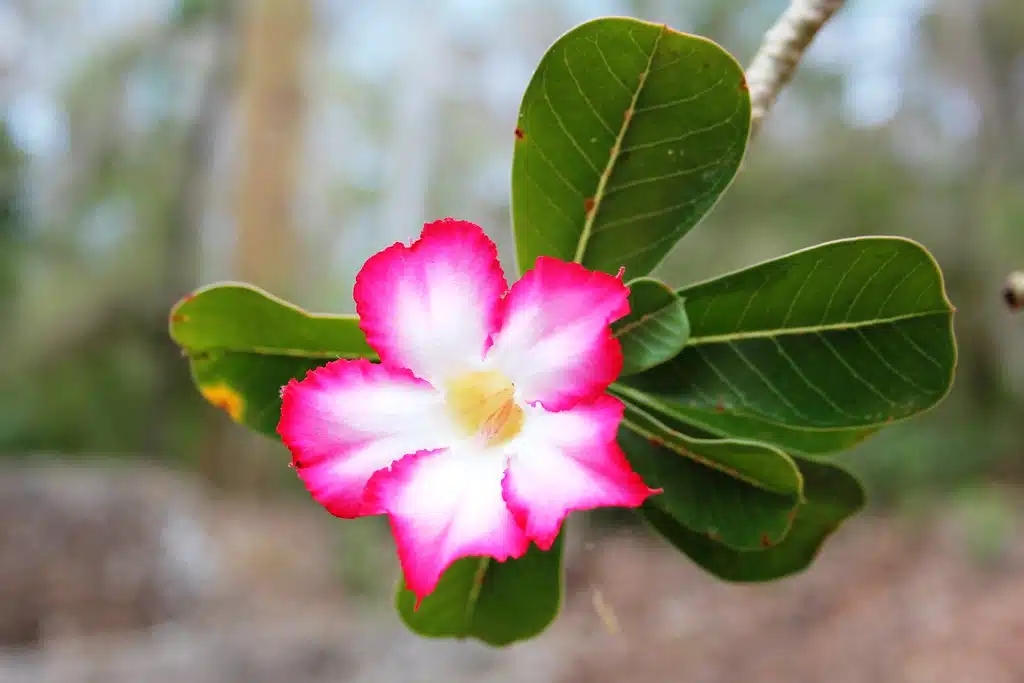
x,y
483,404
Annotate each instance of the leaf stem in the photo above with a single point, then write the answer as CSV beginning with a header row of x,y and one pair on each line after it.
x,y
781,50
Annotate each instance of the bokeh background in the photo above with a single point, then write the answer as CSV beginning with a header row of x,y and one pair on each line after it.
x,y
150,146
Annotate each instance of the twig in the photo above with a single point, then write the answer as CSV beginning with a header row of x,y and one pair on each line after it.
x,y
781,50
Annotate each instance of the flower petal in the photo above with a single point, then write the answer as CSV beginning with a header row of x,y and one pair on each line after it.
x,y
431,307
443,506
351,418
555,342
569,461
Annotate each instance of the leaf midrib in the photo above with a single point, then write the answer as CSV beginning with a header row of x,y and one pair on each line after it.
x,y
473,598
696,340
613,156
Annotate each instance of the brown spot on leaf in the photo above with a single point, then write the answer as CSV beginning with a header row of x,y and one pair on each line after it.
x,y
715,536
743,84
766,542
179,318
655,441
628,115
588,205
519,133
720,406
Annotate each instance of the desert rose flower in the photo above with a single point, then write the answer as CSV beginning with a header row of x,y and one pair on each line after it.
x,y
486,422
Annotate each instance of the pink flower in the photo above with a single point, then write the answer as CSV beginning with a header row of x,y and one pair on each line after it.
x,y
486,421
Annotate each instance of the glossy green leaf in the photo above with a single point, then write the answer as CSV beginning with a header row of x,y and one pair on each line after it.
x,y
812,442
628,133
656,328
849,335
240,317
743,494
498,603
245,344
832,495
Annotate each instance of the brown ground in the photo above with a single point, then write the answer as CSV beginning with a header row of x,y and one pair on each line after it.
x,y
125,577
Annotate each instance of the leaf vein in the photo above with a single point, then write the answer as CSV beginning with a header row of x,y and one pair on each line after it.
x,y
871,387
579,88
561,124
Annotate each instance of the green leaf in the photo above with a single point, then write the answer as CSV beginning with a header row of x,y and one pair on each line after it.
x,y
849,335
832,495
498,603
628,133
245,344
743,494
812,442
240,317
247,386
656,328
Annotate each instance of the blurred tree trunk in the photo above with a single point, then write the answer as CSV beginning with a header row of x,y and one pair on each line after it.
x,y
974,256
275,38
272,107
184,210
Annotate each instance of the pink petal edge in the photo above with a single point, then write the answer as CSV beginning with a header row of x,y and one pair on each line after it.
x,y
555,341
445,505
432,306
350,418
570,461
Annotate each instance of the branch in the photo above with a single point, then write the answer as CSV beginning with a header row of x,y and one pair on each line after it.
x,y
781,50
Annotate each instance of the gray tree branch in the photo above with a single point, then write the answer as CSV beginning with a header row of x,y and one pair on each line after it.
x,y
781,50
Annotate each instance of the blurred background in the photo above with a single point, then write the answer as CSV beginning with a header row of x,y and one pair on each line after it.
x,y
150,146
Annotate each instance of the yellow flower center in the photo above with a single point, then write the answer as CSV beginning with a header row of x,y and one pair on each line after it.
x,y
483,403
